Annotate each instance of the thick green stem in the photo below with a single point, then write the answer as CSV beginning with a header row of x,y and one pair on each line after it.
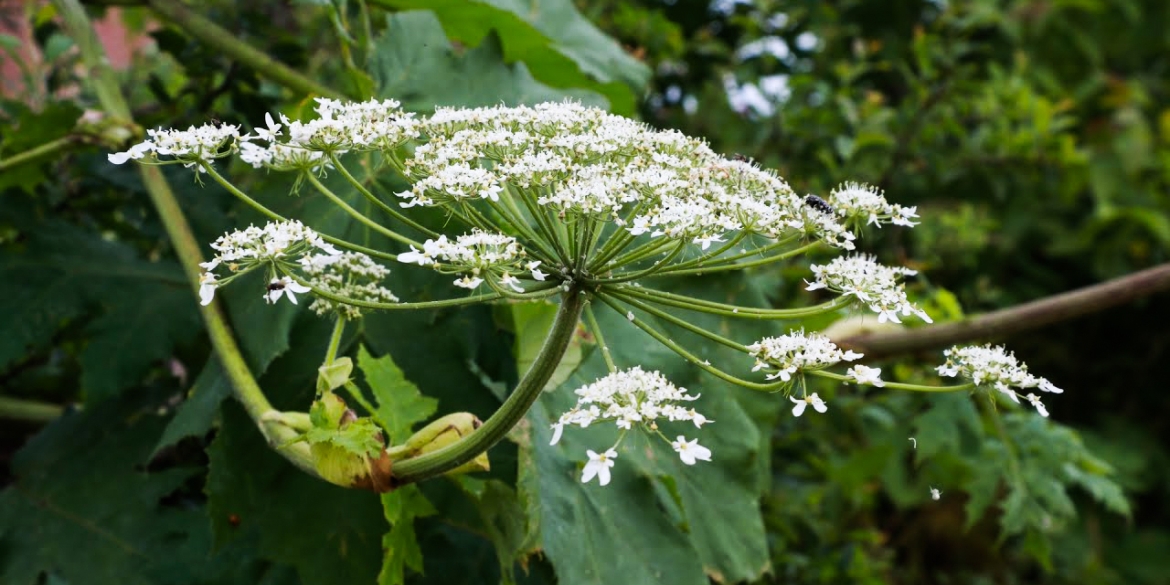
x,y
229,44
28,410
513,409
335,340
247,391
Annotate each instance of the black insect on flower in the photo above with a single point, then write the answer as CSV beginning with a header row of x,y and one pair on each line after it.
x,y
818,204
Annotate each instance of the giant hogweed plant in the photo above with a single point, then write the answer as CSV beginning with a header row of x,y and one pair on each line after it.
x,y
557,201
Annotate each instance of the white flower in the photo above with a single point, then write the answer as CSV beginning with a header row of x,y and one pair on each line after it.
x,y
860,201
861,277
935,494
511,282
284,286
992,367
690,452
536,273
865,375
207,286
469,282
630,315
787,354
630,397
1035,400
816,402
699,419
272,132
598,466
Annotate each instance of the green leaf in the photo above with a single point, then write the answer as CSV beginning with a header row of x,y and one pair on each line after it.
x,y
60,273
330,535
83,510
531,322
560,47
658,521
195,415
400,544
399,403
414,63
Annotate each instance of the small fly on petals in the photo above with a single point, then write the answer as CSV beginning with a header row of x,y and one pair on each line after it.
x,y
284,286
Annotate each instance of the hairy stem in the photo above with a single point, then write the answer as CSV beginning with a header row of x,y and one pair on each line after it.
x,y
244,386
513,409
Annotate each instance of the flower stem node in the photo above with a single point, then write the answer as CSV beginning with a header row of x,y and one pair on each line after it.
x,y
335,375
347,450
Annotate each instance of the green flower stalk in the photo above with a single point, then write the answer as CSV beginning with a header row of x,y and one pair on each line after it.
x,y
552,200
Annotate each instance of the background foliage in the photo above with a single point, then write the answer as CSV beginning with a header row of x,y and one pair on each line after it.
x,y
1034,136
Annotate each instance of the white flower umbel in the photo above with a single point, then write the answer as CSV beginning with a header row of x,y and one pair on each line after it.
x,y
860,203
477,255
348,126
994,367
873,284
629,397
277,244
786,355
352,275
203,144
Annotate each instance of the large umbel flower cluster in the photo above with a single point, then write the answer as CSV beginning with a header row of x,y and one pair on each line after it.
x,y
560,198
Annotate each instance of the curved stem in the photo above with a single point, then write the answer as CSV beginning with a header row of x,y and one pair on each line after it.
x,y
703,364
218,178
245,388
229,44
741,265
595,328
362,219
897,385
389,210
693,304
513,409
28,410
680,322
50,147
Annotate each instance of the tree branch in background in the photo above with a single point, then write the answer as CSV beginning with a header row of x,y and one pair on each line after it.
x,y
1004,323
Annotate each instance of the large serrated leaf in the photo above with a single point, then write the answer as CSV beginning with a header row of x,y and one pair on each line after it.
x,y
559,46
61,274
659,521
415,64
83,510
329,534
399,404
